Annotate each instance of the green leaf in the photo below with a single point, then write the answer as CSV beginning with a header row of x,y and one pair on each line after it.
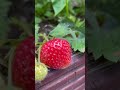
x,y
59,31
111,57
79,44
58,6
104,43
37,20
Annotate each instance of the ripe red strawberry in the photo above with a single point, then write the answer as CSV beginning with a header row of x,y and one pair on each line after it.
x,y
23,64
56,53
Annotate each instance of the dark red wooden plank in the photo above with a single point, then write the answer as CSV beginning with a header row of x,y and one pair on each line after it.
x,y
81,87
78,60
104,79
75,83
65,79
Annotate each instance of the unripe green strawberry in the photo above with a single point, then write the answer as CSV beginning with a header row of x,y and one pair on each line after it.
x,y
41,71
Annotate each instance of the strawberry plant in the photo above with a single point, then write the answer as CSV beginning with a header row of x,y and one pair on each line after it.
x,y
102,34
59,31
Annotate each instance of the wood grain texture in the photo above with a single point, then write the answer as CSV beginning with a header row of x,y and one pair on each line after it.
x,y
104,79
66,78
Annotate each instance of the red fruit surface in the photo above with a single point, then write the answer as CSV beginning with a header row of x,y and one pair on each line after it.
x,y
23,64
56,53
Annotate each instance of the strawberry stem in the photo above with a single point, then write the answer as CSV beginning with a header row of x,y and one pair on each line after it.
x,y
10,69
44,36
39,54
67,9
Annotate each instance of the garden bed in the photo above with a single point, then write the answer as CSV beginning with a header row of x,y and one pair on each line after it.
x,y
72,77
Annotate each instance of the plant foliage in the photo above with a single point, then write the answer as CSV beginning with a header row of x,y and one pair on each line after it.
x,y
70,25
103,30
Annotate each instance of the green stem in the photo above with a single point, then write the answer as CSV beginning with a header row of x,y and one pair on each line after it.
x,y
67,9
10,69
39,54
44,36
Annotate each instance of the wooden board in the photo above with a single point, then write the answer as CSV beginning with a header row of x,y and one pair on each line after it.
x,y
70,78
